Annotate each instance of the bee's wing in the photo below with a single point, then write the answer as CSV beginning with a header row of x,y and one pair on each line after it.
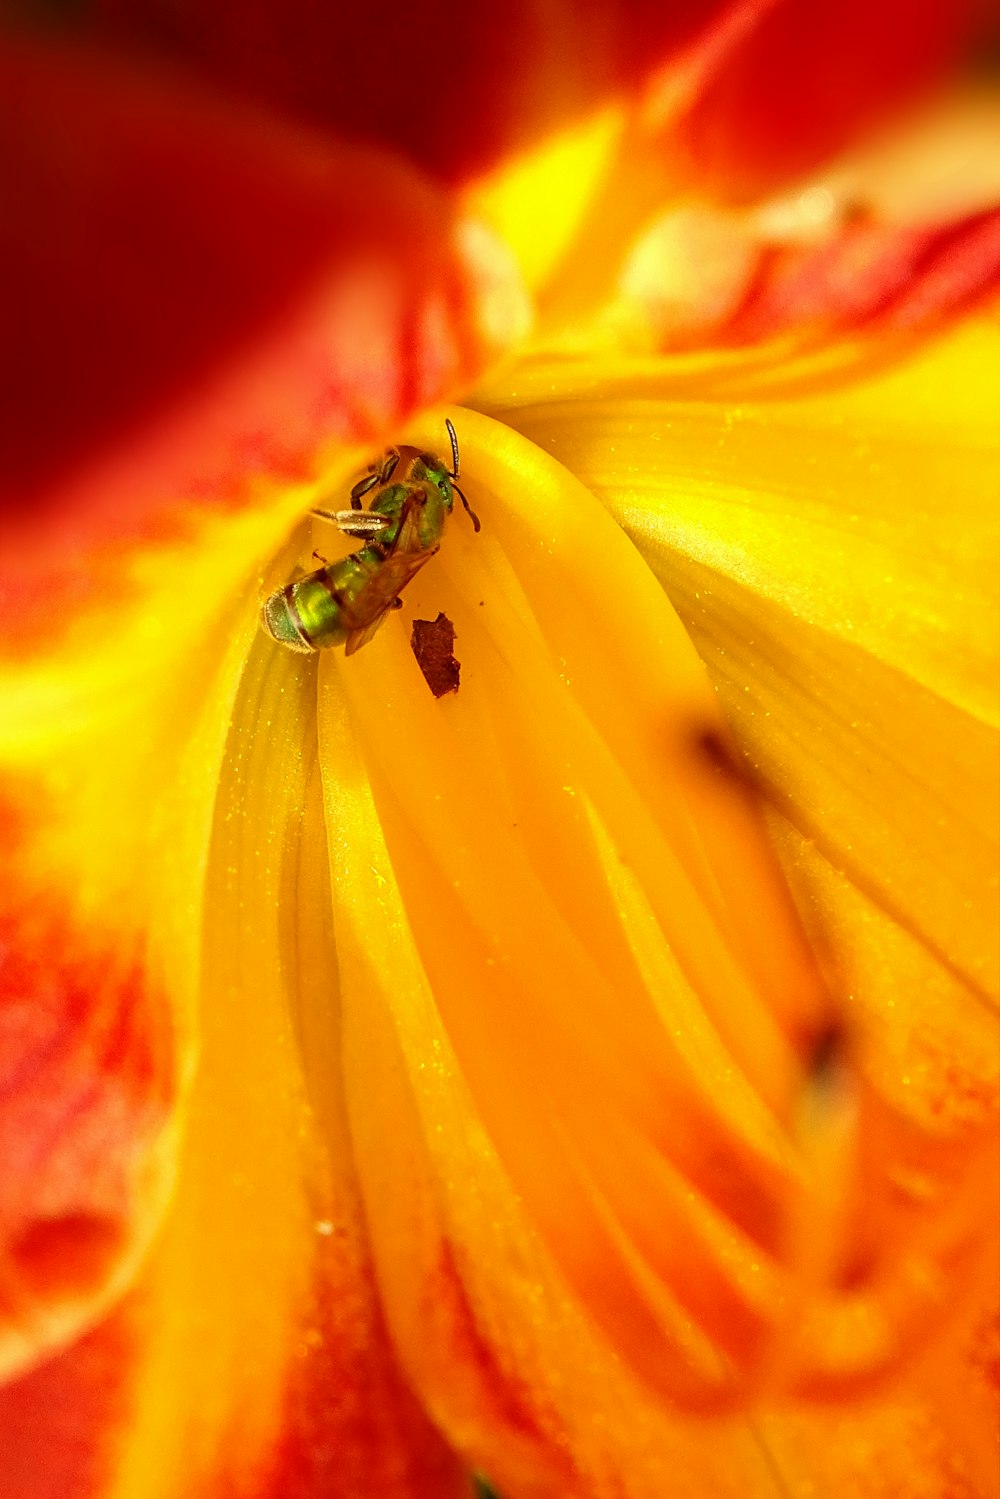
x,y
357,638
403,562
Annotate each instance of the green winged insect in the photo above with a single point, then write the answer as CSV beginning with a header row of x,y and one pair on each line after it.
x,y
345,602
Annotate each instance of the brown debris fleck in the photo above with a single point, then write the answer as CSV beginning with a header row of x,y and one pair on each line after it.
x,y
432,641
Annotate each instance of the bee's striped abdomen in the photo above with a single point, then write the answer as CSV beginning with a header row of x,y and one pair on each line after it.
x,y
308,615
344,602
280,619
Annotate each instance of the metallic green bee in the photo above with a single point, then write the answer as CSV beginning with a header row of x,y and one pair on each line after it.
x,y
345,602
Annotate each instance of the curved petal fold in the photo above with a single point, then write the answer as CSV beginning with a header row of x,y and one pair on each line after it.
x,y
249,1355
836,572
868,591
535,1007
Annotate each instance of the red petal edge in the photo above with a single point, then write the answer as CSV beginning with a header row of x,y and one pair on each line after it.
x,y
808,78
194,298
87,1081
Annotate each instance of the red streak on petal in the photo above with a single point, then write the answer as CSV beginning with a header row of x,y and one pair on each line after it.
x,y
961,269
873,276
352,1426
710,277
520,1435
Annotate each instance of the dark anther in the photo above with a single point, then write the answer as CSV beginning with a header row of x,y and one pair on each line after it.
x,y
825,1051
717,754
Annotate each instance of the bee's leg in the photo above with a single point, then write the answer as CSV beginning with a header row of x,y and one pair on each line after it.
x,y
364,523
389,462
396,604
380,473
468,508
363,487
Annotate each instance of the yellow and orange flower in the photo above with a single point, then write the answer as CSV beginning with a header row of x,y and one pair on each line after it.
x,y
586,1079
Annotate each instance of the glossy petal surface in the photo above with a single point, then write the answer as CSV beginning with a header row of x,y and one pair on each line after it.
x,y
393,1077
833,557
865,598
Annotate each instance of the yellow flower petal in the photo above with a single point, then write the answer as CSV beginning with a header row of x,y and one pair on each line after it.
x,y
833,558
505,864
535,203
265,1362
569,977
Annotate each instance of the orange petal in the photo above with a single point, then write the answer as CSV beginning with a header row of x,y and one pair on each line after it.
x,y
254,314
889,240
108,763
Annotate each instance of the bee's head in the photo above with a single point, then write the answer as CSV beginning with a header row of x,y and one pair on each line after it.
x,y
431,469
434,472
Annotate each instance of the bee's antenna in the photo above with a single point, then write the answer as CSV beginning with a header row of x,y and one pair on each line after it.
x,y
468,508
454,453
